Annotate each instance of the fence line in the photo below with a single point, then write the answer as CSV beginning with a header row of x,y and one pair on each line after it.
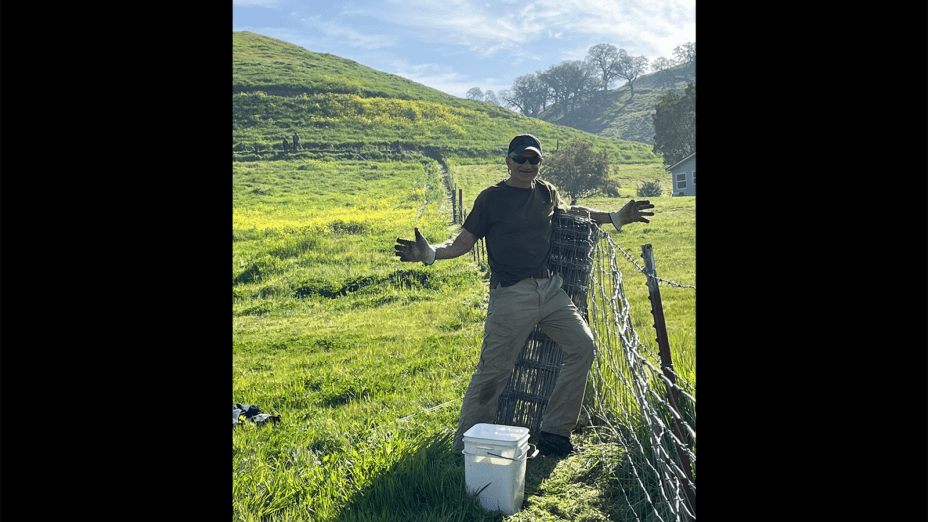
x,y
632,390
636,403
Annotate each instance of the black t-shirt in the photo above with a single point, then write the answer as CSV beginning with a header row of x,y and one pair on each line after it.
x,y
516,223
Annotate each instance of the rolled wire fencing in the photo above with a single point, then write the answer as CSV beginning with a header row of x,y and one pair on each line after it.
x,y
535,373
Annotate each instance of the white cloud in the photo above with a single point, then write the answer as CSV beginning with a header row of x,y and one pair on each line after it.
x,y
483,29
666,44
641,27
257,3
436,76
492,29
347,34
446,79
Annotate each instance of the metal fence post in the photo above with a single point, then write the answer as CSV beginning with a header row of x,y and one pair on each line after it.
x,y
657,310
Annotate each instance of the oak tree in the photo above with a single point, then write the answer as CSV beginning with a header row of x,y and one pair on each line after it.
x,y
577,170
674,121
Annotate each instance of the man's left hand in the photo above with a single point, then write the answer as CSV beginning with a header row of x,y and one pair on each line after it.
x,y
632,212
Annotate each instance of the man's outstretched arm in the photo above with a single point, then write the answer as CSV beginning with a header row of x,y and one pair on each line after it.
x,y
632,212
420,249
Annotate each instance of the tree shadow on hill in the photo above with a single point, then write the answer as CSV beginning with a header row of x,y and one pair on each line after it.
x,y
427,483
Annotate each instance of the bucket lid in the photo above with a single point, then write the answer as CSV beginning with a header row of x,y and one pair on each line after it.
x,y
497,433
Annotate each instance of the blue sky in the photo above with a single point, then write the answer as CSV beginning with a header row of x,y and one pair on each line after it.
x,y
454,45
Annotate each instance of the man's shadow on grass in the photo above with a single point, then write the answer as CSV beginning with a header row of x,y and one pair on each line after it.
x,y
427,483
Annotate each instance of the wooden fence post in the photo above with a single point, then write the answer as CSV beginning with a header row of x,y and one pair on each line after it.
x,y
461,204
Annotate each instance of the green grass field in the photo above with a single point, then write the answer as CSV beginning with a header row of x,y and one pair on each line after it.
x,y
366,358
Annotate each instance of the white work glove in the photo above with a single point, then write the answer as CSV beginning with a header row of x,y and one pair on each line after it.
x,y
631,213
418,250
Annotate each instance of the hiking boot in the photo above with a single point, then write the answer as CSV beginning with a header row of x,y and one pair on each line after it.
x,y
553,445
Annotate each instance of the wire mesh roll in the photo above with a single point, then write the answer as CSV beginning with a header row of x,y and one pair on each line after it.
x,y
523,401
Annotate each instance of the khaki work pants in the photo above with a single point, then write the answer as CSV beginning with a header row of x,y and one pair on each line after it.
x,y
512,315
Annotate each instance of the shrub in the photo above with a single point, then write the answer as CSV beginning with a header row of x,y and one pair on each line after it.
x,y
650,189
612,188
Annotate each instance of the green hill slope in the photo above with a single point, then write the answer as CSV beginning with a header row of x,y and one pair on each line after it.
x,y
262,63
338,105
618,114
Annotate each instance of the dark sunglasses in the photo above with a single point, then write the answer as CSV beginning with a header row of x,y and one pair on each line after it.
x,y
522,159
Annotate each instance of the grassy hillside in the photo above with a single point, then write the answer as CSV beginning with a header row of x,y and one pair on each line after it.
x,y
283,69
365,358
618,114
339,105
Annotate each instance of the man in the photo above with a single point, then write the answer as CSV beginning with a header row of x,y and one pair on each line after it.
x,y
296,142
515,218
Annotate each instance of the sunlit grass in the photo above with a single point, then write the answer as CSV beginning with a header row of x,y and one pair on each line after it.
x,y
335,335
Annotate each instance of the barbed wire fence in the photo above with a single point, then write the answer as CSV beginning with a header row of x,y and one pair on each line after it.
x,y
642,413
637,401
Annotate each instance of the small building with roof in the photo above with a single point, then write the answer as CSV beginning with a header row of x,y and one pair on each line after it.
x,y
683,176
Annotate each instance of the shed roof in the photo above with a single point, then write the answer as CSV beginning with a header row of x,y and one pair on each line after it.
x,y
681,161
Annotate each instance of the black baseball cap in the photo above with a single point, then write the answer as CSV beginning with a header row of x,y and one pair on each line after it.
x,y
524,142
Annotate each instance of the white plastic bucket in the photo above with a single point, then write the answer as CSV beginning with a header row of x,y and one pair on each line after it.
x,y
494,465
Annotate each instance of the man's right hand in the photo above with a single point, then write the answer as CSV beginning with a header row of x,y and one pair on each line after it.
x,y
419,250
